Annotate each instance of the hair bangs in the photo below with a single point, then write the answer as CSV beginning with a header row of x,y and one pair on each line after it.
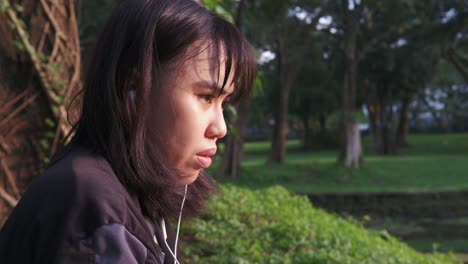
x,y
231,48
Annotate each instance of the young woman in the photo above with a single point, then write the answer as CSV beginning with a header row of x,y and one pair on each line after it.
x,y
152,111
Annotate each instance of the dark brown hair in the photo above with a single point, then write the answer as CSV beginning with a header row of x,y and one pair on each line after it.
x,y
140,37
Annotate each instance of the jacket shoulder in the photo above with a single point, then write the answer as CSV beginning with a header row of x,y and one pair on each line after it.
x,y
74,199
84,185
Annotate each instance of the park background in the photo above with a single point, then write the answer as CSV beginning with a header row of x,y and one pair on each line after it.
x,y
353,149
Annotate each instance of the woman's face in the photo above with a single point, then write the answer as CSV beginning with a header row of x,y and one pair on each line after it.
x,y
189,114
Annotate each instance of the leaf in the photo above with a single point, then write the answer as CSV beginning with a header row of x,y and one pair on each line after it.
x,y
50,134
231,111
49,122
258,85
44,143
42,57
233,130
11,25
216,7
55,109
18,8
3,6
19,45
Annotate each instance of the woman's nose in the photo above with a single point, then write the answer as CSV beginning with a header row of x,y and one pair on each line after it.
x,y
217,127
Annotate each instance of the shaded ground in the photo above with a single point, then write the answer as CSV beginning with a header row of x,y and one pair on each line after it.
x,y
426,221
428,234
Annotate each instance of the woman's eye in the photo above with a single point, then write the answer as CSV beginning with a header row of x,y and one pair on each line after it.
x,y
207,97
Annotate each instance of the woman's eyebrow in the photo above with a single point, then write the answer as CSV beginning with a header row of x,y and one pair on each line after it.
x,y
211,85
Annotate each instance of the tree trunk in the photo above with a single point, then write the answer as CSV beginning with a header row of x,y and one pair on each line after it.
x,y
374,109
289,66
322,118
39,66
230,166
388,134
307,137
280,130
403,123
353,150
385,128
350,153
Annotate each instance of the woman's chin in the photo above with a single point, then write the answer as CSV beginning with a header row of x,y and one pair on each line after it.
x,y
189,178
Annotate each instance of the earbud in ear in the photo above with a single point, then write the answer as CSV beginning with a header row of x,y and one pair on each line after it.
x,y
132,95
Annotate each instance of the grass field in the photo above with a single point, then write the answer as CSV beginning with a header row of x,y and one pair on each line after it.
x,y
432,162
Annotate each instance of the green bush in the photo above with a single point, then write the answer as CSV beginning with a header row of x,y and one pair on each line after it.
x,y
273,226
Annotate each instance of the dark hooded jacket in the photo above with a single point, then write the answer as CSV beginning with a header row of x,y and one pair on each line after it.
x,y
79,212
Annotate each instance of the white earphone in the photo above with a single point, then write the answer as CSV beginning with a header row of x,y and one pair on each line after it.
x,y
163,226
132,95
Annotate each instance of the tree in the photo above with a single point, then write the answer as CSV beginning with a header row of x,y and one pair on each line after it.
x,y
315,96
362,28
291,48
350,151
39,66
454,36
393,77
91,18
397,70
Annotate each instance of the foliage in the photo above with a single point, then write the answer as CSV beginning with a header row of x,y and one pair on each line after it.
x,y
222,8
273,226
445,98
91,17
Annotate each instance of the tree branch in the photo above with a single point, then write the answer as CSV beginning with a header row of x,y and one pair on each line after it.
x,y
296,62
10,177
50,16
10,200
18,109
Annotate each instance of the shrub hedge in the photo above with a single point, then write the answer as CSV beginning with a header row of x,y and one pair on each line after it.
x,y
273,226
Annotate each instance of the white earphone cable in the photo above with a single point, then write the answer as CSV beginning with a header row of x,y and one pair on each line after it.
x,y
178,223
163,226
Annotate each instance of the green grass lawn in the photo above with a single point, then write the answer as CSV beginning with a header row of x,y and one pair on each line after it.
x,y
431,163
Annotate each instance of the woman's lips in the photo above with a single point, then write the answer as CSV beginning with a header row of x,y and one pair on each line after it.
x,y
204,162
203,157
